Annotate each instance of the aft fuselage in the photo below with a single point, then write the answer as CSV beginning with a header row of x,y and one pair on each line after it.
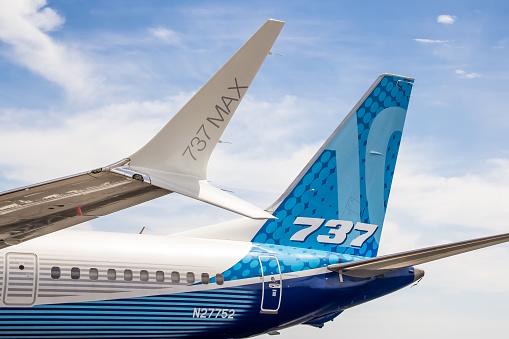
x,y
108,285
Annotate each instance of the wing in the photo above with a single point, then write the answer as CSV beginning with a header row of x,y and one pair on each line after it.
x,y
32,211
175,160
379,265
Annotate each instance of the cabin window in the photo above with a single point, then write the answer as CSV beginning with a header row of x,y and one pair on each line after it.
x,y
205,278
128,275
112,274
160,276
175,277
75,273
55,272
93,274
219,279
190,277
144,275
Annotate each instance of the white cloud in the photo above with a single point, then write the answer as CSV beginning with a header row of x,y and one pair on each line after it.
x,y
446,19
166,35
431,41
47,19
24,25
118,130
442,205
466,75
85,139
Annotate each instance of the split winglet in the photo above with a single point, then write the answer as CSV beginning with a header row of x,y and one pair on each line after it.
x,y
176,158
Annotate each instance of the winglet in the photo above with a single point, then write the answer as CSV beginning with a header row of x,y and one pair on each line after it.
x,y
201,190
183,147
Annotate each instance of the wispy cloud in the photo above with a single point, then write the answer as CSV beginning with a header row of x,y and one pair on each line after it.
x,y
24,25
466,75
78,135
165,35
446,19
435,199
430,41
502,44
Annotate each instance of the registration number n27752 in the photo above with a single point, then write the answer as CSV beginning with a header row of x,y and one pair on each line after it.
x,y
217,313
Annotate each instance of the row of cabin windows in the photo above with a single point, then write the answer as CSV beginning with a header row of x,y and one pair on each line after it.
x,y
111,274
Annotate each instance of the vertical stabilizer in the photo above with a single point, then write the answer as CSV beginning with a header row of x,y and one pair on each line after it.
x,y
338,201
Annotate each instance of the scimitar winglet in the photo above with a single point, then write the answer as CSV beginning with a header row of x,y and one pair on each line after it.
x,y
176,158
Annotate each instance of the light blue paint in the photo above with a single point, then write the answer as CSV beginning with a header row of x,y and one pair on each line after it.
x,y
384,125
346,147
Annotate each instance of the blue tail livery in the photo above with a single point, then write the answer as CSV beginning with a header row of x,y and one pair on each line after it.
x,y
304,260
338,201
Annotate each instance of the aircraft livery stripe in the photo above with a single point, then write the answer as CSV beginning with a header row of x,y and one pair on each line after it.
x,y
158,316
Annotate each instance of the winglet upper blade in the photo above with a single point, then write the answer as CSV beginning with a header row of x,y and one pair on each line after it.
x,y
185,144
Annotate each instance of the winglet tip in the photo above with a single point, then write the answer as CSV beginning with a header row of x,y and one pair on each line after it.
x,y
276,21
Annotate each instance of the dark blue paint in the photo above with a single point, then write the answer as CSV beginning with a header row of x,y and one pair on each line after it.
x,y
171,316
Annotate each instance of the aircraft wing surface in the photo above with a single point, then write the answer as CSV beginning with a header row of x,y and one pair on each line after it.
x,y
175,160
379,265
32,211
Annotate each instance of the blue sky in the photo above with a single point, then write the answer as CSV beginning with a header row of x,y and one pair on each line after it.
x,y
84,84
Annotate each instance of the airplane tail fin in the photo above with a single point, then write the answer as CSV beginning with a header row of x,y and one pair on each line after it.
x,y
338,202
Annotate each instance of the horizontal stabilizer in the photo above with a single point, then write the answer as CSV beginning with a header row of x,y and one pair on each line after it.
x,y
377,266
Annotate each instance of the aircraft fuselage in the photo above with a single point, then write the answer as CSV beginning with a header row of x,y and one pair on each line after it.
x,y
110,285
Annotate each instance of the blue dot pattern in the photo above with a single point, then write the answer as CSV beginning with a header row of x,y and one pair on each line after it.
x,y
291,259
314,196
316,193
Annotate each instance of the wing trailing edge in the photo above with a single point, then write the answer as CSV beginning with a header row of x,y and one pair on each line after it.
x,y
379,265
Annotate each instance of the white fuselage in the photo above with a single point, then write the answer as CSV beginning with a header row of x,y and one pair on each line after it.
x,y
110,266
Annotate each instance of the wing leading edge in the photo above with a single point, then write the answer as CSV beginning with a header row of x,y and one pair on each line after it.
x,y
175,160
379,265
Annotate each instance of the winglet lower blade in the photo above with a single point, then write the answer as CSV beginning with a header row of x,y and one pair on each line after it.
x,y
201,190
